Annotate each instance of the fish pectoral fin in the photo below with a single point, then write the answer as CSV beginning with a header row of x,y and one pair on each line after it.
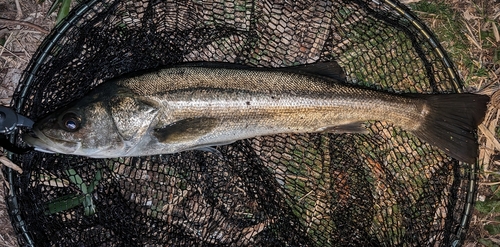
x,y
211,150
208,149
186,130
353,128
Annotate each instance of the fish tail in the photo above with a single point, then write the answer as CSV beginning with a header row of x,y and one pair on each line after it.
x,y
452,122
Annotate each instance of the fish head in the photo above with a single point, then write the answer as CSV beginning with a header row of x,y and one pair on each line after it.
x,y
98,126
81,130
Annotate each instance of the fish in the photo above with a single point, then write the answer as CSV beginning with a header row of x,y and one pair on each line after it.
x,y
201,105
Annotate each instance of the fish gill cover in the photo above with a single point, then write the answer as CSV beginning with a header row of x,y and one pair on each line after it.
x,y
385,188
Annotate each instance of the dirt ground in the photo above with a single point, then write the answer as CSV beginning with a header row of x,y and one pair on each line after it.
x,y
24,24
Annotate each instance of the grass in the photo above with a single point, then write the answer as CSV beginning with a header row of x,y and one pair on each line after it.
x,y
489,211
469,33
445,26
72,200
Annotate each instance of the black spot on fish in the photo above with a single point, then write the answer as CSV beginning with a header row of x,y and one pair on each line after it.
x,y
248,102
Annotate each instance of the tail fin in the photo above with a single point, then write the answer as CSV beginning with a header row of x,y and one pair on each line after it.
x,y
451,123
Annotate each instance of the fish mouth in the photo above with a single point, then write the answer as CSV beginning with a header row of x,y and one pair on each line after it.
x,y
42,143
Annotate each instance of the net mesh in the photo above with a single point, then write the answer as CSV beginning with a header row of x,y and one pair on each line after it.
x,y
386,188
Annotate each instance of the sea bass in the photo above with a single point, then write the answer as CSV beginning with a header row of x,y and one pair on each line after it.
x,y
195,106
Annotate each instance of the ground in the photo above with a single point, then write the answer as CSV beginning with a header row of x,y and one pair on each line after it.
x,y
24,24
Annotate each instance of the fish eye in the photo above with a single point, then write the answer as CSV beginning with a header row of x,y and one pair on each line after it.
x,y
70,122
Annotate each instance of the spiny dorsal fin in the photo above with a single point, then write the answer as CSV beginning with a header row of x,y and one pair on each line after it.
x,y
329,69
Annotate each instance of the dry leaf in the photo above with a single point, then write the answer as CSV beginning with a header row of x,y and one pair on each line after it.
x,y
495,32
468,16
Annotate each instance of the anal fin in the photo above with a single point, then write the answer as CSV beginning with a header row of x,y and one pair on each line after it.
x,y
353,128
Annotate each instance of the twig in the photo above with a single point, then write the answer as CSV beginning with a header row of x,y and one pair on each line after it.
x,y
19,10
409,1
6,162
3,49
489,136
23,23
470,36
13,54
489,184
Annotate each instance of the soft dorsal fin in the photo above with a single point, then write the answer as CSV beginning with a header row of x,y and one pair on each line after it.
x,y
330,69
